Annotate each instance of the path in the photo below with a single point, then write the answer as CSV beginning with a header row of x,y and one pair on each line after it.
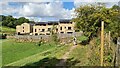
x,y
65,56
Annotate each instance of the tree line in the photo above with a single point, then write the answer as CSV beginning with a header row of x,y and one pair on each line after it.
x,y
89,18
12,22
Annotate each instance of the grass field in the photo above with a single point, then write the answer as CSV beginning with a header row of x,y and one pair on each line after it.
x,y
5,29
19,54
49,54
13,51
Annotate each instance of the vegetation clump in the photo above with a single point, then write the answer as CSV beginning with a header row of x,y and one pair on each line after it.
x,y
89,18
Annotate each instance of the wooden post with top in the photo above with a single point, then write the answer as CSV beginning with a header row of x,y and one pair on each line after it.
x,y
109,39
102,42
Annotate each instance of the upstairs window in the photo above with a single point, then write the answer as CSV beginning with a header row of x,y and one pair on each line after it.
x,y
60,28
43,30
23,27
35,30
49,29
69,28
65,27
57,29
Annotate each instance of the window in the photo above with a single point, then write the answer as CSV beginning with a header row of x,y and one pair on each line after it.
x,y
69,32
35,30
57,30
18,33
70,22
40,34
65,27
61,32
23,30
49,29
36,33
47,33
60,28
43,30
69,28
77,30
23,27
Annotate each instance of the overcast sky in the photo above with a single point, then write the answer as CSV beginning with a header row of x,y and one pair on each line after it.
x,y
46,10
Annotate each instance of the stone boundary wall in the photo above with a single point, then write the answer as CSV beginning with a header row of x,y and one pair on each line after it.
x,y
47,36
10,37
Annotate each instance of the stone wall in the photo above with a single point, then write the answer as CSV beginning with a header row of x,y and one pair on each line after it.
x,y
45,37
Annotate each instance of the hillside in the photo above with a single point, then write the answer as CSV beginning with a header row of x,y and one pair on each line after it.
x,y
8,30
50,54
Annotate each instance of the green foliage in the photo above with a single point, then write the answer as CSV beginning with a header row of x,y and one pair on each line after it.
x,y
54,35
12,22
94,53
89,18
80,54
2,36
82,38
7,30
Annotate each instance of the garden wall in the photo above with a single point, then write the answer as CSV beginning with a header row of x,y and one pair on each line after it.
x,y
45,37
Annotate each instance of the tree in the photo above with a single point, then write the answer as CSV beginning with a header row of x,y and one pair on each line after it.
x,y
12,22
89,18
22,20
115,26
54,34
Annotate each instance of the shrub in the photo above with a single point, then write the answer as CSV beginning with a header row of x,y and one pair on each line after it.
x,y
3,36
83,40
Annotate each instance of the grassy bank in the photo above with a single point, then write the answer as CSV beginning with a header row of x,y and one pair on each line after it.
x,y
8,30
20,54
13,51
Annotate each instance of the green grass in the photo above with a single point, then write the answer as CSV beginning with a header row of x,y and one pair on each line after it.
x,y
20,54
5,29
13,51
51,58
80,54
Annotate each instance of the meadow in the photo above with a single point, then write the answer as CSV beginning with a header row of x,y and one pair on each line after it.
x,y
49,54
5,29
20,53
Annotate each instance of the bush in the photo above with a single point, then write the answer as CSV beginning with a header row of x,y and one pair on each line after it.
x,y
55,38
3,36
83,40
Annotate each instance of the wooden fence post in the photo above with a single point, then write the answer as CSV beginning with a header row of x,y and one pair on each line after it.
x,y
102,42
109,39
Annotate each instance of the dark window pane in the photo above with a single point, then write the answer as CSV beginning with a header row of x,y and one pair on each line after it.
x,y
43,30
69,28
49,29
35,30
60,28
62,32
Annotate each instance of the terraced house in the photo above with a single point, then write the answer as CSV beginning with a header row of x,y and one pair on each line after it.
x,y
44,28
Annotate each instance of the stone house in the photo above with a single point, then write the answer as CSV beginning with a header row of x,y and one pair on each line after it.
x,y
63,26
